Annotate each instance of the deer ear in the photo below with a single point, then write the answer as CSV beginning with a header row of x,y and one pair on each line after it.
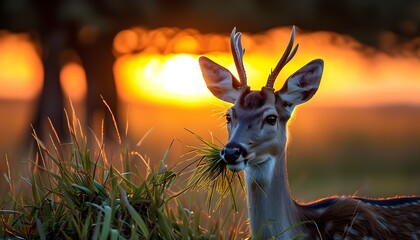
x,y
219,80
302,85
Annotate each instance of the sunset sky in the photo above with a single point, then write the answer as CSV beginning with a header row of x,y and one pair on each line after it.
x,y
352,77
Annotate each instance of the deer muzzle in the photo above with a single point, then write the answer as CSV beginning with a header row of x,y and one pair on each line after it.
x,y
234,154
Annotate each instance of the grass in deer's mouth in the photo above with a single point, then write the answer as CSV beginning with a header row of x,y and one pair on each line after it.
x,y
211,173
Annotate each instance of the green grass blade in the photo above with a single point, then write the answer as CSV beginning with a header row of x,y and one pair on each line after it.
x,y
86,225
97,226
82,188
40,228
106,225
114,234
134,214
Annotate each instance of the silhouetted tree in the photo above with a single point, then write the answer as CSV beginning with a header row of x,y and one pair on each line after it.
x,y
88,28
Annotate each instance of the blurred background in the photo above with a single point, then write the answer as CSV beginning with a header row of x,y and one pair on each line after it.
x,y
359,135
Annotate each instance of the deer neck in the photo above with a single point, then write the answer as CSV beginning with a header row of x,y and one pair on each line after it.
x,y
271,208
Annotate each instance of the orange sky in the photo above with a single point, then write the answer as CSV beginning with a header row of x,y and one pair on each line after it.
x,y
166,70
351,77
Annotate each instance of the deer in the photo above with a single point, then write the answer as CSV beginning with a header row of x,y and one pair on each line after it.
x,y
257,142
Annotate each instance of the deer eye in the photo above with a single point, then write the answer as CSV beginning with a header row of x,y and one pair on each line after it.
x,y
271,119
228,118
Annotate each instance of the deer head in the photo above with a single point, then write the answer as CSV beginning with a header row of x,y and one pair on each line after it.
x,y
257,121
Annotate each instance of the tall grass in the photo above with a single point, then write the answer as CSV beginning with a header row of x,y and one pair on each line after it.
x,y
78,189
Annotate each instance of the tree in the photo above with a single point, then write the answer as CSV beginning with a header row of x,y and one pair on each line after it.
x,y
88,28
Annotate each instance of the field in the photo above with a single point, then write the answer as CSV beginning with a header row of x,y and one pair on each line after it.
x,y
371,152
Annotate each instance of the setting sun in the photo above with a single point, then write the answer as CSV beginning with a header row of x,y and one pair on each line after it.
x,y
178,75
172,78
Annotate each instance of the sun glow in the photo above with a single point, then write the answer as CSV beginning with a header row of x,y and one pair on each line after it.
x,y
161,66
171,79
73,81
21,71
177,75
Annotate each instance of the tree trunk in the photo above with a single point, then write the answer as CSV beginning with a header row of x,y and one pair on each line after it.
x,y
98,60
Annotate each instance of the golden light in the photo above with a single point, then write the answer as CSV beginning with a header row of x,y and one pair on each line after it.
x,y
163,66
73,81
164,79
125,41
178,75
21,72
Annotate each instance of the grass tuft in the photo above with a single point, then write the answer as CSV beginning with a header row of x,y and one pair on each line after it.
x,y
211,173
78,190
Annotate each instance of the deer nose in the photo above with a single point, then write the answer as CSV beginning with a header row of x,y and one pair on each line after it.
x,y
231,152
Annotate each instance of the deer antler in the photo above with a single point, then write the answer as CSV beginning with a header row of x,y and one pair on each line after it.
x,y
238,54
287,56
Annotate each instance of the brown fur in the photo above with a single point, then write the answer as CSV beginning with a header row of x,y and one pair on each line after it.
x,y
250,100
349,218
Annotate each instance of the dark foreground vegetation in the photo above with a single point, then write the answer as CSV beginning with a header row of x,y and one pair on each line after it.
x,y
80,190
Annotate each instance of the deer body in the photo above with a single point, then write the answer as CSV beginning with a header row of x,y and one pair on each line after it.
x,y
257,126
